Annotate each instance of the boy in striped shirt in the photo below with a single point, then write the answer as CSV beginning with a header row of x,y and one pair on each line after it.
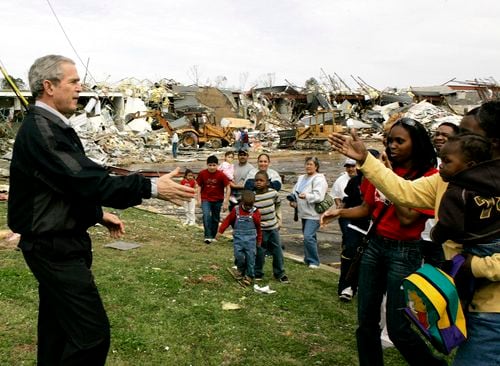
x,y
267,201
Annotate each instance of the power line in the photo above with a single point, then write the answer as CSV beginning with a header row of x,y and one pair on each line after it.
x,y
70,43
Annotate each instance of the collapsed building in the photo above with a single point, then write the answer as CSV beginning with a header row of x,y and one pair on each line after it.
x,y
133,120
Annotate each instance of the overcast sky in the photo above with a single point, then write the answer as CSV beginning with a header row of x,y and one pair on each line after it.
x,y
386,42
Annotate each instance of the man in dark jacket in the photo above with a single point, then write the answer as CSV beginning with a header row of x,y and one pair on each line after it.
x,y
56,194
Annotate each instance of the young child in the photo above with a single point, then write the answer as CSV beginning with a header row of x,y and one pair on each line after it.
x,y
469,211
189,181
247,235
227,166
213,192
267,201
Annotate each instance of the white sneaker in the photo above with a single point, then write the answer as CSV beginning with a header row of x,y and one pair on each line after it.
x,y
346,294
313,266
386,341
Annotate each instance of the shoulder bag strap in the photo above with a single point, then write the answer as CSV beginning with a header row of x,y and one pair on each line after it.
x,y
371,231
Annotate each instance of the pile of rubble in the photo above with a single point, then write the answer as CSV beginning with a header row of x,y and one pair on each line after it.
x,y
133,120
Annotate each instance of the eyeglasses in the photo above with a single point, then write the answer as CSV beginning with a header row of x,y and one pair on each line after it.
x,y
407,121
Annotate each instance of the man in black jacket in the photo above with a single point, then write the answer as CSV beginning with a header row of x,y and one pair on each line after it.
x,y
56,194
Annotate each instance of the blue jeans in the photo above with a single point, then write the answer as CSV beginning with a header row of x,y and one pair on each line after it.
x,y
384,264
174,149
271,244
481,347
211,217
309,229
483,249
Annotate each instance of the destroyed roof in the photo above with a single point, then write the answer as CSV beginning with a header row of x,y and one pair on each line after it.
x,y
437,90
286,89
388,98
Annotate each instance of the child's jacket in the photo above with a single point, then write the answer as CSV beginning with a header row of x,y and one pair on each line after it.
x,y
233,216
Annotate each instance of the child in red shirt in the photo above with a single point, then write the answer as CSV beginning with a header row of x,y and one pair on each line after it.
x,y
189,181
213,193
247,235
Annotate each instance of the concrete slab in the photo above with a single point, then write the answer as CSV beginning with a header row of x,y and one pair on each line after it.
x,y
122,245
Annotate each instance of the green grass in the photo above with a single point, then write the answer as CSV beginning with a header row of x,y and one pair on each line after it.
x,y
164,301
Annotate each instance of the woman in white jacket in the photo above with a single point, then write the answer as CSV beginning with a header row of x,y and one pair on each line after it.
x,y
309,190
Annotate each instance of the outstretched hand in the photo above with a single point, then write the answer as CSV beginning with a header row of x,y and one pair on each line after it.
x,y
349,145
329,215
169,190
113,224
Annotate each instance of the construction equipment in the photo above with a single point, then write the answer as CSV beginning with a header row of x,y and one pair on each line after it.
x,y
204,132
12,84
155,115
314,134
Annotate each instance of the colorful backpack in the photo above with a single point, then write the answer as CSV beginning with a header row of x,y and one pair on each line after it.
x,y
434,307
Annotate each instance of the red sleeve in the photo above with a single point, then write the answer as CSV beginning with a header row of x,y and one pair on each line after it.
x,y
199,179
256,220
229,220
368,191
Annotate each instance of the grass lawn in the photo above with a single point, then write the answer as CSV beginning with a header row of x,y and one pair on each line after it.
x,y
165,303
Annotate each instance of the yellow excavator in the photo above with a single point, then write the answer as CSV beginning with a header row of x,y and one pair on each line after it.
x,y
206,134
314,135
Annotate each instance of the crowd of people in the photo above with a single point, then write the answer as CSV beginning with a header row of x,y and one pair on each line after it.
x,y
57,193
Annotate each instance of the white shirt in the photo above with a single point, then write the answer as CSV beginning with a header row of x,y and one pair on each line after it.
x,y
53,111
339,186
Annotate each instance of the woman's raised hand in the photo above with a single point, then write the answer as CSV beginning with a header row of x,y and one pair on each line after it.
x,y
349,145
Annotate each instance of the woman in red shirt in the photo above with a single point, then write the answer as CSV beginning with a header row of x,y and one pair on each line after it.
x,y
394,250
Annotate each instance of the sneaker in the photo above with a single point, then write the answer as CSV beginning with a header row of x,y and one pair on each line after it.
x,y
313,266
346,294
238,276
386,341
284,279
207,241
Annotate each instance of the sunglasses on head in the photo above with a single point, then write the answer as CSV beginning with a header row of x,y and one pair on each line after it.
x,y
407,121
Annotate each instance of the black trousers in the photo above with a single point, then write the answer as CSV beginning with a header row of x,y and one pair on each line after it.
x,y
73,328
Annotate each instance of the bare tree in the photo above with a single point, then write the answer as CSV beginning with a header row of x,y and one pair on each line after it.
x,y
312,84
270,79
266,80
243,80
220,81
194,74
